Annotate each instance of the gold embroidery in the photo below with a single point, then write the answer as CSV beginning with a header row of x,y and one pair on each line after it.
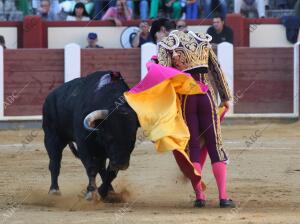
x,y
217,131
164,57
192,50
187,150
217,126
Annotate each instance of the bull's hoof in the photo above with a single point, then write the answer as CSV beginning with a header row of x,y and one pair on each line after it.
x,y
54,192
103,191
92,196
111,189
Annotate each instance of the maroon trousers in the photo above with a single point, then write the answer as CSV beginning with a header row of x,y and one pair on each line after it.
x,y
200,113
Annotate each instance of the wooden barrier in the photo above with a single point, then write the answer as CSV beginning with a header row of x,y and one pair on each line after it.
x,y
265,77
265,81
29,76
127,61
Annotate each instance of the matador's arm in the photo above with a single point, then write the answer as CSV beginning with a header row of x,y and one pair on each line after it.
x,y
218,76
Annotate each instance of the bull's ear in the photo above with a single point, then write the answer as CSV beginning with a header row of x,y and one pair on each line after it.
x,y
93,120
116,75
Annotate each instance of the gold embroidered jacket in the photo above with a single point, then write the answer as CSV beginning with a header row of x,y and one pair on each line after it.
x,y
186,51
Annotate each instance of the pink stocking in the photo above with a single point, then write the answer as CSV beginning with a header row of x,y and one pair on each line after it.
x,y
197,184
220,170
203,155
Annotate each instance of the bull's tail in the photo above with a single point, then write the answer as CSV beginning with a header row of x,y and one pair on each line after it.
x,y
73,148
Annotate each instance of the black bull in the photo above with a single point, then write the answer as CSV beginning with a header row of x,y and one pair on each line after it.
x,y
92,113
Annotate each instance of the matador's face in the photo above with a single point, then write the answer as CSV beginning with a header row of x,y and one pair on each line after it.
x,y
177,61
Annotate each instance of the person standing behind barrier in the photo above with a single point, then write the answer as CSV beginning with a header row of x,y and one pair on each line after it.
x,y
79,13
143,36
45,11
219,31
92,40
120,13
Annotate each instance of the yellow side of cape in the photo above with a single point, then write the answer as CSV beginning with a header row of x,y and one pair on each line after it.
x,y
159,112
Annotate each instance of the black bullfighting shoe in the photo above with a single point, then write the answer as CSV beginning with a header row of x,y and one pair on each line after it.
x,y
199,203
226,203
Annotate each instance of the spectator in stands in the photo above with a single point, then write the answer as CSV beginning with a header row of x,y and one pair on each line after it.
x,y
171,8
2,42
66,7
143,36
35,4
213,6
219,31
120,13
79,13
250,8
55,6
92,40
284,4
9,11
89,6
181,25
23,6
192,9
100,7
45,13
139,8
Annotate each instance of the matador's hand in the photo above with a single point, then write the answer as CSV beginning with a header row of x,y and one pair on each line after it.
x,y
225,103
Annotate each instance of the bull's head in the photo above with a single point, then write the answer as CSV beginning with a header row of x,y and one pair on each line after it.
x,y
116,129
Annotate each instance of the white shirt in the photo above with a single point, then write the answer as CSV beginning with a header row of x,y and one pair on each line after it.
x,y
73,18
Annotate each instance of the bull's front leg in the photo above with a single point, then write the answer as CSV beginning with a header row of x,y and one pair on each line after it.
x,y
102,171
107,179
91,192
91,170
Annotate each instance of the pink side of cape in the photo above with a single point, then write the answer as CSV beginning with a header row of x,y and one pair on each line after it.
x,y
157,74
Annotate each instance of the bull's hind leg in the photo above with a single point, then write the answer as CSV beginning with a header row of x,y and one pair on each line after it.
x,y
54,147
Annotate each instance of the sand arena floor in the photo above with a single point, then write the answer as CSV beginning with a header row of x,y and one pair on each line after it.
x,y
263,179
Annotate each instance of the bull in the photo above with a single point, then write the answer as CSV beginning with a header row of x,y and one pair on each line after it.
x,y
90,115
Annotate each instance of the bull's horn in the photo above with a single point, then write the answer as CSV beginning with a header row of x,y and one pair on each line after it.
x,y
89,120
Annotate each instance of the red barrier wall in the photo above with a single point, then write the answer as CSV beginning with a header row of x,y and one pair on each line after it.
x,y
263,75
30,74
266,77
127,61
